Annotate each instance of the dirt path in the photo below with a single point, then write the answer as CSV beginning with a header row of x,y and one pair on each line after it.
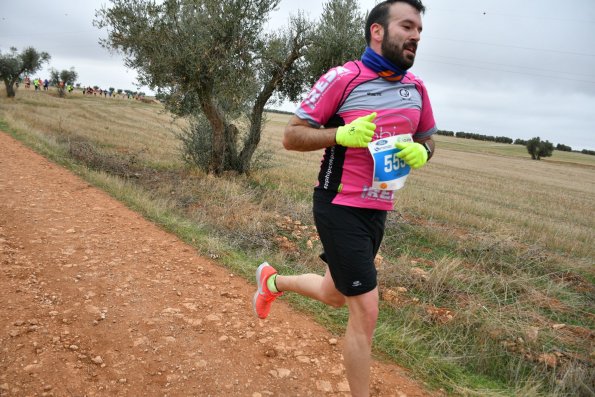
x,y
97,301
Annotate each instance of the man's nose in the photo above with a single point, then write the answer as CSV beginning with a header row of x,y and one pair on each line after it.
x,y
416,35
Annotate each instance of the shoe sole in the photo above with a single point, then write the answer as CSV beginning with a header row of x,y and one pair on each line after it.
x,y
258,273
254,304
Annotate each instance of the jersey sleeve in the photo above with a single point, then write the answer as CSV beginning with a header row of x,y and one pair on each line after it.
x,y
427,125
324,98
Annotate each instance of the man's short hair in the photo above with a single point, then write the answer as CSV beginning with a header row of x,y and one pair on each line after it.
x,y
379,14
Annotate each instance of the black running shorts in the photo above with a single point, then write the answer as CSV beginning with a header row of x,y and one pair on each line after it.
x,y
350,238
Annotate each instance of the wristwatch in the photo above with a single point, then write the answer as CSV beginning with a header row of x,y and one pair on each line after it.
x,y
428,149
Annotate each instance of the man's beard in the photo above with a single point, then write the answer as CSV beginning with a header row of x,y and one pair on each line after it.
x,y
394,52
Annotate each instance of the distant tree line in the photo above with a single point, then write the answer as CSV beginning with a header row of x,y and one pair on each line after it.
x,y
479,137
531,144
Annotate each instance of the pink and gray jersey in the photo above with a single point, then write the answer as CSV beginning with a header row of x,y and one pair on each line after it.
x,y
351,91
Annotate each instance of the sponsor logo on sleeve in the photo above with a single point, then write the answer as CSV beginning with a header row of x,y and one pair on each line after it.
x,y
323,84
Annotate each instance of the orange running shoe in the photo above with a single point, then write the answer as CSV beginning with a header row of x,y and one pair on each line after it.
x,y
263,298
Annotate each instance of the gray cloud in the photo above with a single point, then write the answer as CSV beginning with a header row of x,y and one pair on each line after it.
x,y
518,69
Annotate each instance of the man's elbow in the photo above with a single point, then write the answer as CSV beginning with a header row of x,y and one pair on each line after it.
x,y
288,142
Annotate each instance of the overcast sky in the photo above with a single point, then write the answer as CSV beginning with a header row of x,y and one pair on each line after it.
x,y
496,67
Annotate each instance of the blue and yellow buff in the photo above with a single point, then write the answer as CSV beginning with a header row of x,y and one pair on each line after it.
x,y
385,68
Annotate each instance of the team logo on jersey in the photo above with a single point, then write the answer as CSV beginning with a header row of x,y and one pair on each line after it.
x,y
404,93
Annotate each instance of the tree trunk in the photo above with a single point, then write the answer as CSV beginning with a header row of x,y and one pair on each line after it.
x,y
217,162
232,159
9,89
253,139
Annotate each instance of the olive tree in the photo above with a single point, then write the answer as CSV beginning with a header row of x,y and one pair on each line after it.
x,y
538,148
212,61
13,65
63,79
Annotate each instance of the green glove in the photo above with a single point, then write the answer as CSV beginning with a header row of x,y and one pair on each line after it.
x,y
358,133
413,153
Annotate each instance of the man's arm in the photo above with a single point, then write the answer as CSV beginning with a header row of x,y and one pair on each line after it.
x,y
301,136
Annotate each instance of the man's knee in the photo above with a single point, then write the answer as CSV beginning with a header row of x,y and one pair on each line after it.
x,y
332,297
369,314
335,300
364,310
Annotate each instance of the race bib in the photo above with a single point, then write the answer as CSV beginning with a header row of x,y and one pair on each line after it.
x,y
390,172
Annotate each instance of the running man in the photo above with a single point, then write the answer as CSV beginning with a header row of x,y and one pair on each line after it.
x,y
375,120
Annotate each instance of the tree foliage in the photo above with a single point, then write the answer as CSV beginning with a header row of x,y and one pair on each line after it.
x,y
212,61
563,148
338,37
538,148
13,65
63,79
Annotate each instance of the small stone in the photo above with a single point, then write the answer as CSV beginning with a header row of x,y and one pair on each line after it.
x,y
271,353
324,386
548,359
558,326
97,360
283,372
343,387
32,368
532,333
420,273
73,347
213,317
332,341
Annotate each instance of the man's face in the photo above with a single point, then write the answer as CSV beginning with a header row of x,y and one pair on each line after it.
x,y
399,42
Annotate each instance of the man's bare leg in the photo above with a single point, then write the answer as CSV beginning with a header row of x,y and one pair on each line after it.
x,y
363,314
321,288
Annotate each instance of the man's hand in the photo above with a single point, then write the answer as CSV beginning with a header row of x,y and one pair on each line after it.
x,y
358,133
413,153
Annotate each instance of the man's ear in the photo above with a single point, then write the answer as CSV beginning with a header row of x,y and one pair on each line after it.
x,y
376,33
